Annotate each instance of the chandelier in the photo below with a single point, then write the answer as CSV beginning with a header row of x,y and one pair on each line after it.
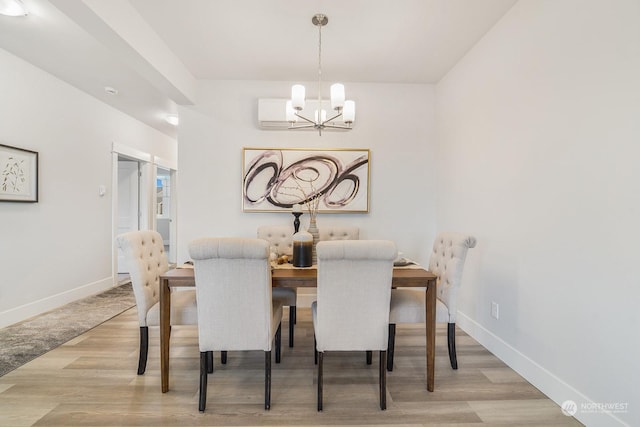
x,y
344,111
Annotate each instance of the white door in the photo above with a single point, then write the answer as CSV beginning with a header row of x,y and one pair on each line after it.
x,y
164,209
128,202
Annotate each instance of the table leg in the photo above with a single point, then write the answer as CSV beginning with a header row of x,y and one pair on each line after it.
x,y
165,331
431,333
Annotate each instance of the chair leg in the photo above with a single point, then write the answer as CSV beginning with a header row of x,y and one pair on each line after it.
x,y
144,349
391,347
383,380
223,357
203,380
315,350
292,310
451,339
210,362
278,342
320,357
267,380
369,357
292,321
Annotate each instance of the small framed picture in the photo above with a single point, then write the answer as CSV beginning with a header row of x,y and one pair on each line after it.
x,y
18,175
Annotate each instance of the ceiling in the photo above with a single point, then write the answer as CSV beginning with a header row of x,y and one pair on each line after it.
x,y
154,51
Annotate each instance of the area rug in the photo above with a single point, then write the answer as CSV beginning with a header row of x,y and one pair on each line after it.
x,y
24,341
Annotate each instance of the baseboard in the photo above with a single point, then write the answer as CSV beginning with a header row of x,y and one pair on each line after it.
x,y
551,385
26,311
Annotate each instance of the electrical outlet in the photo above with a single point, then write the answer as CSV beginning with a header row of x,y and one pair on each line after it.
x,y
495,310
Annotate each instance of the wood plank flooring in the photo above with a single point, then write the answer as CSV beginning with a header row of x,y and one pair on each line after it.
x,y
92,381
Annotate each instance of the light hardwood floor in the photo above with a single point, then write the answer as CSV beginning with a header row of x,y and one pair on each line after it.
x,y
92,381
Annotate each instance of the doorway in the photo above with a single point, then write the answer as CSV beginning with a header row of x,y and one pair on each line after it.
x,y
128,203
165,210
131,203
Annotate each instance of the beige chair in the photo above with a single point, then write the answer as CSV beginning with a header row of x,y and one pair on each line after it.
x,y
236,310
339,233
280,238
353,273
146,261
408,305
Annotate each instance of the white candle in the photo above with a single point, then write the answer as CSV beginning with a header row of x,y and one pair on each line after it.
x,y
297,208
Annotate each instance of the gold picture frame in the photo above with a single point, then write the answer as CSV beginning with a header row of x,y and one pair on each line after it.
x,y
275,179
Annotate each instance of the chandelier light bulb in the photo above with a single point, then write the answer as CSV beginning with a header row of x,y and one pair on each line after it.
x,y
349,112
323,116
291,113
337,96
297,97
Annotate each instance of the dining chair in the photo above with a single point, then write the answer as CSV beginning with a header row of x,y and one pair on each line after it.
x,y
236,311
280,239
339,232
353,273
146,261
408,305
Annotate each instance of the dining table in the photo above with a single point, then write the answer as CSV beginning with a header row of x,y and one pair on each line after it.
x,y
412,276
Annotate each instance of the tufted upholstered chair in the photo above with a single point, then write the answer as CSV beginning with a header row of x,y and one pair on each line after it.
x,y
144,254
353,273
408,305
339,233
236,310
280,237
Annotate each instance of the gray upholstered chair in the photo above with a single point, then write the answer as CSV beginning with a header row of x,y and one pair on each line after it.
x,y
236,310
408,305
280,238
352,274
146,261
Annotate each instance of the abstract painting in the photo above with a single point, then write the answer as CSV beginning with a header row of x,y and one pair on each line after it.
x,y
275,179
18,175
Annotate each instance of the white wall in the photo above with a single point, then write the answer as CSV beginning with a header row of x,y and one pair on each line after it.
x,y
396,122
59,249
538,147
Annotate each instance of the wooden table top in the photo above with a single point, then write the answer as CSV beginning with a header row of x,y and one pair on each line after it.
x,y
307,277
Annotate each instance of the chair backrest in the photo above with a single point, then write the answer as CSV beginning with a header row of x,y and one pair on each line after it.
x,y
146,260
447,262
233,293
354,291
339,233
280,236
